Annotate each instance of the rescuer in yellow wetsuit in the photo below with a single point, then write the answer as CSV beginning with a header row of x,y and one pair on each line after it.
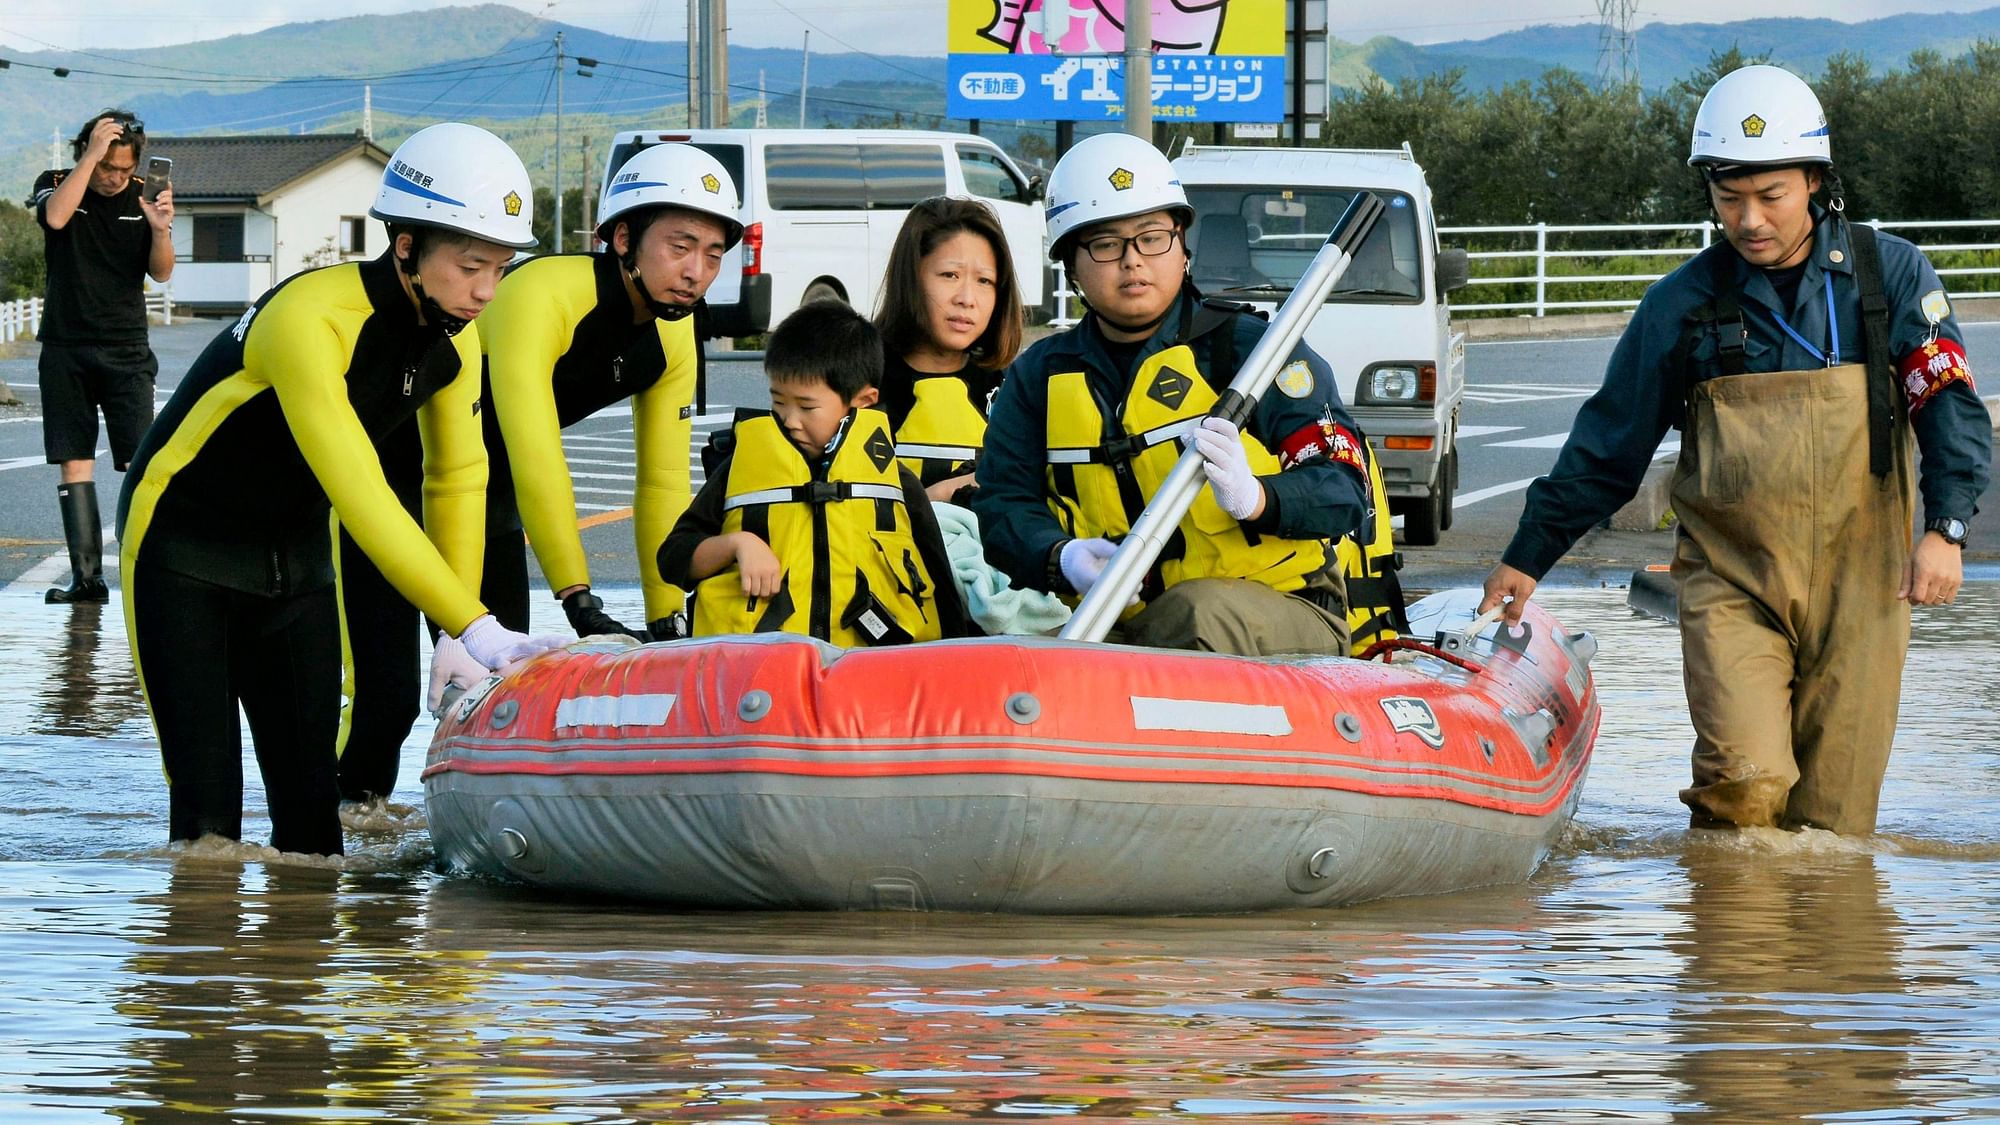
x,y
566,336
223,521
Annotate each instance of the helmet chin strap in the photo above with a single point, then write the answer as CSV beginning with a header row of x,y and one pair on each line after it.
x,y
433,313
665,310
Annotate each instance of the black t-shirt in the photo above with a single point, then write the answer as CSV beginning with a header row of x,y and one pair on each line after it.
x,y
96,266
1786,283
899,386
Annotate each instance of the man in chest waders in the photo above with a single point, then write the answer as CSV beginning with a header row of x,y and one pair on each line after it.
x,y
1797,359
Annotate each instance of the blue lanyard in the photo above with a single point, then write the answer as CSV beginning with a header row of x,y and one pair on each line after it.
x,y
1832,328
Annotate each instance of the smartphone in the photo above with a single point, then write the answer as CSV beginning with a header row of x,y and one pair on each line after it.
x,y
159,177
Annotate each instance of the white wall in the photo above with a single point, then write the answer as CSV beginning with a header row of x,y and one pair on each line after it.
x,y
221,283
308,212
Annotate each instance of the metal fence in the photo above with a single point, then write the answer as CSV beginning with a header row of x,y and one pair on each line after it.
x,y
24,317
1546,268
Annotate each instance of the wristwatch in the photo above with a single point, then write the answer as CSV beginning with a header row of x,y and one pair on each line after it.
x,y
1952,530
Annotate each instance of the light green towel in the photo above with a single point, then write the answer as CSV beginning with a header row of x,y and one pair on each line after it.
x,y
997,606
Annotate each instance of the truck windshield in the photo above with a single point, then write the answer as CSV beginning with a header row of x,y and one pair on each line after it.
x,y
1261,239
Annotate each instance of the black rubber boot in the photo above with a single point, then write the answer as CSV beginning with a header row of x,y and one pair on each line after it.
x,y
86,546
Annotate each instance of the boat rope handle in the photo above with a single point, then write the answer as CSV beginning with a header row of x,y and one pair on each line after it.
x,y
1480,623
1411,644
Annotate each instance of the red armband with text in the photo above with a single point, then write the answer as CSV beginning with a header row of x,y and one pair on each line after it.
x,y
1323,439
1930,369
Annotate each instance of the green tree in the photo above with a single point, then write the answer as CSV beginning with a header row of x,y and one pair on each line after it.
x,y
21,270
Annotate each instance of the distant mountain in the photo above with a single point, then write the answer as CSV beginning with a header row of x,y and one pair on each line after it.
x,y
1669,52
495,65
489,63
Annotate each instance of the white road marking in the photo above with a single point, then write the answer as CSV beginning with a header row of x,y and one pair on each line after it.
x,y
1541,441
1466,432
1502,393
1467,499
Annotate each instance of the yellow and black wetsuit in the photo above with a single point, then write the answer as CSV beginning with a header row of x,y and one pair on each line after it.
x,y
561,345
225,538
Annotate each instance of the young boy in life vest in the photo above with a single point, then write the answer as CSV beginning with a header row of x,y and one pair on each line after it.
x,y
812,525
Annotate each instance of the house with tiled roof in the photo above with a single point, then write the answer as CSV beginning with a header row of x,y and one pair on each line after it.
x,y
252,211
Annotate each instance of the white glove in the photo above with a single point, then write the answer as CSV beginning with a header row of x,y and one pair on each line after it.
x,y
1083,562
451,665
1236,488
496,646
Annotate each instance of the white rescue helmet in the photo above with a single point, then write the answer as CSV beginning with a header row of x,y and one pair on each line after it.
x,y
461,178
1759,117
1110,176
671,175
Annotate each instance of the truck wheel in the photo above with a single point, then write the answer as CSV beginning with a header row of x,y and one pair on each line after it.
x,y
1448,486
1425,518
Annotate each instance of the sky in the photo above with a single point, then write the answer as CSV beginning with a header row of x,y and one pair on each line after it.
x,y
909,27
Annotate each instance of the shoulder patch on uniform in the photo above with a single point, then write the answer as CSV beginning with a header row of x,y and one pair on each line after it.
x,y
687,412
1936,306
1296,379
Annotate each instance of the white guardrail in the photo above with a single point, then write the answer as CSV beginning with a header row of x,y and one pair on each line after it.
x,y
24,317
1543,244
1686,240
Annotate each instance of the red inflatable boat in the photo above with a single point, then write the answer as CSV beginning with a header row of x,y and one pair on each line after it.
x,y
1020,774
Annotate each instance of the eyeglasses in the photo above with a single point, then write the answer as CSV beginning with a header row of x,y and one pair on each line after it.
x,y
1150,243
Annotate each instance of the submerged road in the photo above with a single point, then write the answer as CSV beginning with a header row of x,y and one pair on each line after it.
x,y
1521,398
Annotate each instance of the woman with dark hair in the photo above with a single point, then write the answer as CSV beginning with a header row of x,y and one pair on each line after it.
x,y
950,320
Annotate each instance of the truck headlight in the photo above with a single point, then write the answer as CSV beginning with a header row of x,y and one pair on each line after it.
x,y
1392,384
1397,384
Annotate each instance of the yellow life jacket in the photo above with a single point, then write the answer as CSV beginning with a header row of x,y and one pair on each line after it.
x,y
852,572
1097,486
1102,471
1368,561
943,430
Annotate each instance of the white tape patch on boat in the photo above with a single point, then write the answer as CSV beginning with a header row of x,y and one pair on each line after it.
x,y
1209,717
614,710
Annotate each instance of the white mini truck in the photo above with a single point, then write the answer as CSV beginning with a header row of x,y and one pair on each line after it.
x,y
1261,214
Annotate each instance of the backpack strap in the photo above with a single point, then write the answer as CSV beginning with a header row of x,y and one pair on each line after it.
x,y
1886,407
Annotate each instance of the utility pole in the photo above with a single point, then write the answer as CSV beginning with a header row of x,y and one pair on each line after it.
x,y
761,119
715,75
558,224
55,148
1139,68
367,113
589,196
694,63
805,62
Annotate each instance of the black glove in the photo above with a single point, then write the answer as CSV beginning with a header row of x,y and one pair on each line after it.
x,y
585,611
672,627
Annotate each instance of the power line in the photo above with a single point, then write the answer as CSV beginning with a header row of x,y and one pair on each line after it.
x,y
849,46
422,74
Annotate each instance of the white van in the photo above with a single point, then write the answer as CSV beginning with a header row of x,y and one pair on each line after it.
x,y
821,208
1260,216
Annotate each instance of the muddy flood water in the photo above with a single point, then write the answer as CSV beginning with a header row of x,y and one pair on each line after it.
x,y
1645,974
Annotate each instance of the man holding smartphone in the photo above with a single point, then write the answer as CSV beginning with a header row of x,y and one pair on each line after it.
x,y
101,237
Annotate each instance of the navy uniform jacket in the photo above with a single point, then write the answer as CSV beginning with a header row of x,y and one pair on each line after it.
x,y
1316,499
1619,429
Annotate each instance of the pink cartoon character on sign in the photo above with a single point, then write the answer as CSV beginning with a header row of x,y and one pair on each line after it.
x,y
1087,27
